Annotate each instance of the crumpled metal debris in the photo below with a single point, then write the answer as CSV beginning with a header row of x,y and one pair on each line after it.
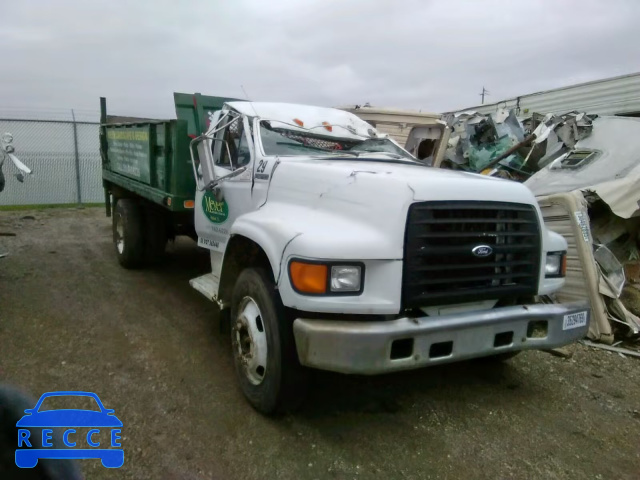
x,y
555,135
618,245
499,144
477,139
610,269
620,351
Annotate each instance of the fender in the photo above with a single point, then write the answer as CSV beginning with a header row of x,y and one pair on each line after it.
x,y
271,235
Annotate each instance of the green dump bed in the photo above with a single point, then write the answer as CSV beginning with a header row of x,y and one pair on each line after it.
x,y
150,158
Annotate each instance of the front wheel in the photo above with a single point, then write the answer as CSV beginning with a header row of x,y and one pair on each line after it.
x,y
264,352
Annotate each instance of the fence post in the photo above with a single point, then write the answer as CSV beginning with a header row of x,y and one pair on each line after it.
x,y
77,157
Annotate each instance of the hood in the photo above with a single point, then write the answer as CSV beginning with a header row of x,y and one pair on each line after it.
x,y
316,181
373,197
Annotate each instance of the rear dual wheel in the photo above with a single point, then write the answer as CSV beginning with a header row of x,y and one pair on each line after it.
x,y
139,234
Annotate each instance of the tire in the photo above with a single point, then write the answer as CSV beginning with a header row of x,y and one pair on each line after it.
x,y
261,332
128,233
155,236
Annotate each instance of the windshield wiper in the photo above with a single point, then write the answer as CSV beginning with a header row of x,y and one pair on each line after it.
x,y
391,154
394,155
333,152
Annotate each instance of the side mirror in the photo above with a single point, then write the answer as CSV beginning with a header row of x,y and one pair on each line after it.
x,y
203,166
203,163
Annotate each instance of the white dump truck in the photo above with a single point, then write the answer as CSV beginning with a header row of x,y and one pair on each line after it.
x,y
331,247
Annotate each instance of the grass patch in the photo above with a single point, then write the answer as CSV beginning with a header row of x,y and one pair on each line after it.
x,y
8,208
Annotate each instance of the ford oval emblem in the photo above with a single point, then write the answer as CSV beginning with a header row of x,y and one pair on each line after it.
x,y
482,251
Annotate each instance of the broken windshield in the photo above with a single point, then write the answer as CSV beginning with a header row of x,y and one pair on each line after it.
x,y
284,142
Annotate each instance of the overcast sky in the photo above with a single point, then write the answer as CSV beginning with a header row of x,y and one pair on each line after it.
x,y
428,55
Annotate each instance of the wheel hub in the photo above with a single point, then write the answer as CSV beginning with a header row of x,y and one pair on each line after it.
x,y
249,341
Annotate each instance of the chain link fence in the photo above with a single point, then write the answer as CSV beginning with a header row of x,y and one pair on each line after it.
x,y
64,156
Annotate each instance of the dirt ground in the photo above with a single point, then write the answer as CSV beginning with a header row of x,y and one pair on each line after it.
x,y
72,319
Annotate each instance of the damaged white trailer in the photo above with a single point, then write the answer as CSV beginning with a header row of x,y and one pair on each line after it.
x,y
590,195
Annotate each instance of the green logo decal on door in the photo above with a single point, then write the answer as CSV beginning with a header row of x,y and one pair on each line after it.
x,y
215,211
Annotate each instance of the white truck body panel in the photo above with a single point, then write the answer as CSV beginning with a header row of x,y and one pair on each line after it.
x,y
341,208
330,209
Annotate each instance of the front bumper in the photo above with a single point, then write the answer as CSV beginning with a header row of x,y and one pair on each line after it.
x,y
368,347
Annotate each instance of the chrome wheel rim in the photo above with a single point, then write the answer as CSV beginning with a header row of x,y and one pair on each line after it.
x,y
119,234
249,341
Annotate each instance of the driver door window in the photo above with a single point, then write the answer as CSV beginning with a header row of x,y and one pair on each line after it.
x,y
229,146
238,154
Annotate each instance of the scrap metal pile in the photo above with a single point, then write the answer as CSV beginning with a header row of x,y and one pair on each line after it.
x,y
499,144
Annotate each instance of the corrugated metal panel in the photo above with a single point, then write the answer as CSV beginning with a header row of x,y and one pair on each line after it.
x,y
611,96
558,219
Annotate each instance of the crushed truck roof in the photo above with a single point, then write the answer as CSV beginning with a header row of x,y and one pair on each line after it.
x,y
328,122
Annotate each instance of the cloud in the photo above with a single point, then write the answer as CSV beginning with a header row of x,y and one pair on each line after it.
x,y
433,56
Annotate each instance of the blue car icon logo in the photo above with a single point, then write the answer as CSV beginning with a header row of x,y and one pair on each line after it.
x,y
73,442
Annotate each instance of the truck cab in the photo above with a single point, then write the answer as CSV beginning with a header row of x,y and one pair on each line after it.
x,y
332,247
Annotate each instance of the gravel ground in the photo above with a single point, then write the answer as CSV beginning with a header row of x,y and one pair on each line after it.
x,y
148,345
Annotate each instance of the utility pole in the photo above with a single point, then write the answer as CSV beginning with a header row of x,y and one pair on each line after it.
x,y
484,92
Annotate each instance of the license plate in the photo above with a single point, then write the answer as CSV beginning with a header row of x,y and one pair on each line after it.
x,y
574,320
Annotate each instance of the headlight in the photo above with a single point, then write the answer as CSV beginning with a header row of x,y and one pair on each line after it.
x,y
556,264
345,278
319,278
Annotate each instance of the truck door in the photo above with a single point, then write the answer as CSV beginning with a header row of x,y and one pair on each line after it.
x,y
217,209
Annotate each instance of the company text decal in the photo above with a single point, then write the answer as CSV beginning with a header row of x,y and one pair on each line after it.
x,y
215,211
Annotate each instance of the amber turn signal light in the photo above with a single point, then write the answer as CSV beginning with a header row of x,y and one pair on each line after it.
x,y
308,277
